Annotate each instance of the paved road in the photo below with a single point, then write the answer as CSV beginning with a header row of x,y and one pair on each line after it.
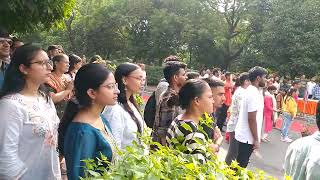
x,y
270,156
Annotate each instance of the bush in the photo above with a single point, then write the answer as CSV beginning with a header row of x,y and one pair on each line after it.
x,y
166,163
154,74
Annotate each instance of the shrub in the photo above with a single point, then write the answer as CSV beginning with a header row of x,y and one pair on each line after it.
x,y
139,162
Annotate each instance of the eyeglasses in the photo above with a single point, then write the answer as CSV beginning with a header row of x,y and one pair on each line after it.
x,y
44,63
6,40
112,86
138,78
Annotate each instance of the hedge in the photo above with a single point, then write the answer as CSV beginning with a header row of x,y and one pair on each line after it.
x,y
166,164
140,162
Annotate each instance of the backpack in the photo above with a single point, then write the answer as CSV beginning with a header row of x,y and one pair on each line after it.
x,y
150,110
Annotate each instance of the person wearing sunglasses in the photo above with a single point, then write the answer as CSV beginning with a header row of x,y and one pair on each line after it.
x,y
5,43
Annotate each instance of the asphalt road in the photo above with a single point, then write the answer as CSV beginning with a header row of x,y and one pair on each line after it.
x,y
269,157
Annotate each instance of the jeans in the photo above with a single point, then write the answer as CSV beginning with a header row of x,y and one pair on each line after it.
x,y
287,120
244,152
233,149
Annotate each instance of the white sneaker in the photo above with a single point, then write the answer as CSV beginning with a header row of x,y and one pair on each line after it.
x,y
288,140
282,139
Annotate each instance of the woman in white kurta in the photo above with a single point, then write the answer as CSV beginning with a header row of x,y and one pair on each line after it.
x,y
124,118
29,122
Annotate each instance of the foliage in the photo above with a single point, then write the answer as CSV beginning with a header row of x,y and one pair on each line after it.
x,y
22,16
112,67
289,39
232,34
139,162
139,100
154,74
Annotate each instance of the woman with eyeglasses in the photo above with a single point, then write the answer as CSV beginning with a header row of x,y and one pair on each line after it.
x,y
29,122
125,118
59,84
83,132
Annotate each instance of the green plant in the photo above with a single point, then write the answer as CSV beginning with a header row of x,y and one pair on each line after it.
x,y
139,162
139,100
112,67
154,74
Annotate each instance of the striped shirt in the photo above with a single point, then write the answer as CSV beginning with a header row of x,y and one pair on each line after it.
x,y
185,136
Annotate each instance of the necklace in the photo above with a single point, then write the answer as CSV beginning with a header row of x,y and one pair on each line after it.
x,y
107,135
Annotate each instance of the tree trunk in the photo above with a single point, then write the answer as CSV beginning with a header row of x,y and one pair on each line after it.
x,y
71,36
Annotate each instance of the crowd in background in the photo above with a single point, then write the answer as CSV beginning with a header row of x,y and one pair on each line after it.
x,y
58,110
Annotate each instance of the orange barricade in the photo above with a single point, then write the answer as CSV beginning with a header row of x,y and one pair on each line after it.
x,y
311,106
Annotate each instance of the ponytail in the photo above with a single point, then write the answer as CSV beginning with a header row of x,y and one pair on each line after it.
x,y
131,113
70,112
89,76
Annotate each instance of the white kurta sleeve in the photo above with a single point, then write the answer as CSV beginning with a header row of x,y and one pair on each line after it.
x,y
11,121
114,116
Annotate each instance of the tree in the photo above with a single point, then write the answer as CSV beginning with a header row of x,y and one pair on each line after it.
x,y
235,28
22,16
290,39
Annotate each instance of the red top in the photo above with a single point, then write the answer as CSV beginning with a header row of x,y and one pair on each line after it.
x,y
228,94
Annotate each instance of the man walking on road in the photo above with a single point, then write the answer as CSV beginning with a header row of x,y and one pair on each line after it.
x,y
248,128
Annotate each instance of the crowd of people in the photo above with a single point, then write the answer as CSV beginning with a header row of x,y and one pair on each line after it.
x,y
58,110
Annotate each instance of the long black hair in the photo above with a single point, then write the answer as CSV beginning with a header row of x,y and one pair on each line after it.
x,y
122,71
89,76
73,60
14,80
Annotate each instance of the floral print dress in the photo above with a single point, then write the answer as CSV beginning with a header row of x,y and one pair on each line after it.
x,y
28,133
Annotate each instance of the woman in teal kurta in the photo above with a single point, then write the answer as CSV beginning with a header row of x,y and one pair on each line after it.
x,y
83,132
83,141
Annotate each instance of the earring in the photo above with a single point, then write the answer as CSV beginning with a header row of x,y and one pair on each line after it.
x,y
125,86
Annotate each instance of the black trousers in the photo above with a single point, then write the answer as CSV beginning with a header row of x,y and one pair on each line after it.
x,y
244,152
222,116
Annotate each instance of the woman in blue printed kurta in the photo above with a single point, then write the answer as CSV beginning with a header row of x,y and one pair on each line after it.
x,y
83,132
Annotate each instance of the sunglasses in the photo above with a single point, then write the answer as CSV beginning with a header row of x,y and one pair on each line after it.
x,y
6,40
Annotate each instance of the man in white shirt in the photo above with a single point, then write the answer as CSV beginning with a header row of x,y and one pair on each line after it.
x,y
248,128
244,82
310,86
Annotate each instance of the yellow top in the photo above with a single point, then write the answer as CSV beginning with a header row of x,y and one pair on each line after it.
x,y
290,106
